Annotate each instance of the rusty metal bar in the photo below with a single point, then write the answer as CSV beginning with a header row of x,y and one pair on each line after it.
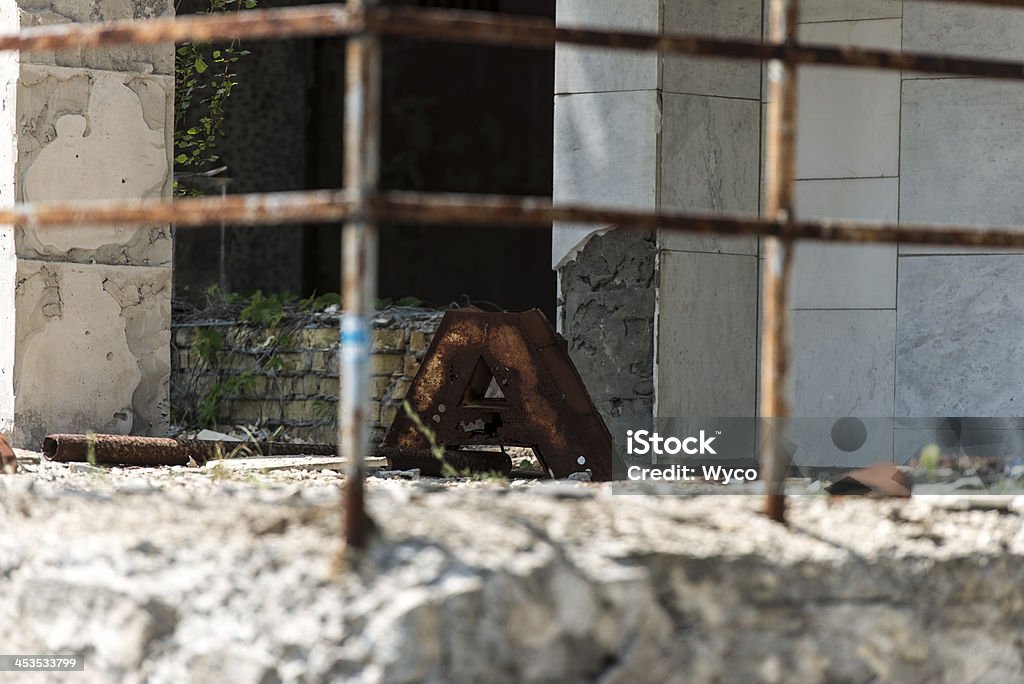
x,y
115,450
292,22
254,209
538,212
329,206
491,29
359,267
477,27
780,170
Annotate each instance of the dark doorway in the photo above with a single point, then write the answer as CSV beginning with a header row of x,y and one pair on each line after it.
x,y
456,118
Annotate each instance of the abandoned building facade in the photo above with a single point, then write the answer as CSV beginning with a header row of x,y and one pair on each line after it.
x,y
899,338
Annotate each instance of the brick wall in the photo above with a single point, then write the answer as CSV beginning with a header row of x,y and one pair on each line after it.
x,y
288,377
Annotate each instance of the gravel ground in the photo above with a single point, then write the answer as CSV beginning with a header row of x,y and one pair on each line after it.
x,y
232,574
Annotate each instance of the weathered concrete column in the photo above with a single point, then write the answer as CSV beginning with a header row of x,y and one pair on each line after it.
x,y
91,349
659,325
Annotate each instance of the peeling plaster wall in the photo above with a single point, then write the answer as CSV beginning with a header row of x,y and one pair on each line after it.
x,y
92,334
8,261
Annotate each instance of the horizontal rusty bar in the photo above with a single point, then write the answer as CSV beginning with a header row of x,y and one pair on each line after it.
x,y
318,206
475,27
326,206
496,29
497,210
291,22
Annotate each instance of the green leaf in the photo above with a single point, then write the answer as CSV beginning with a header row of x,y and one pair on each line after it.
x,y
181,159
200,65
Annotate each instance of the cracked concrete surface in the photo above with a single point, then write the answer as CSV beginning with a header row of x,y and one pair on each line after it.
x,y
230,579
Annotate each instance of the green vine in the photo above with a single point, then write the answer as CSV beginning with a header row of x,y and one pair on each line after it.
x,y
204,77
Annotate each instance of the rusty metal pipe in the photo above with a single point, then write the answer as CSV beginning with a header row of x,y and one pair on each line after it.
x,y
538,212
481,28
329,206
253,209
291,22
114,450
359,268
780,170
490,29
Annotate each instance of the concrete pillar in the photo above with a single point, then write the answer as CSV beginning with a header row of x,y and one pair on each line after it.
x,y
92,305
607,122
658,325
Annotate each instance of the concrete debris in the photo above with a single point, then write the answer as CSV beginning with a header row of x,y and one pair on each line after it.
x,y
230,579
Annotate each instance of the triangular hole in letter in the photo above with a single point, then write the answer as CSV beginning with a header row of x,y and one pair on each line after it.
x,y
483,389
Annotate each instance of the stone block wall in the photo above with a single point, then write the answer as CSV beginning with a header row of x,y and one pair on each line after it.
x,y
916,341
295,387
92,329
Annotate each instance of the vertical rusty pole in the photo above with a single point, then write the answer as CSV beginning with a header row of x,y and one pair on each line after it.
x,y
359,266
780,168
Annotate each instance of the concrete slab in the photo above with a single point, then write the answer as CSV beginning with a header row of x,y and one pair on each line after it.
x,y
606,152
847,276
848,10
707,335
959,346
971,30
593,70
709,163
962,143
849,119
704,76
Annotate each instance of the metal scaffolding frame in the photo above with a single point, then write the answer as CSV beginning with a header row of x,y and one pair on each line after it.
x,y
362,206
